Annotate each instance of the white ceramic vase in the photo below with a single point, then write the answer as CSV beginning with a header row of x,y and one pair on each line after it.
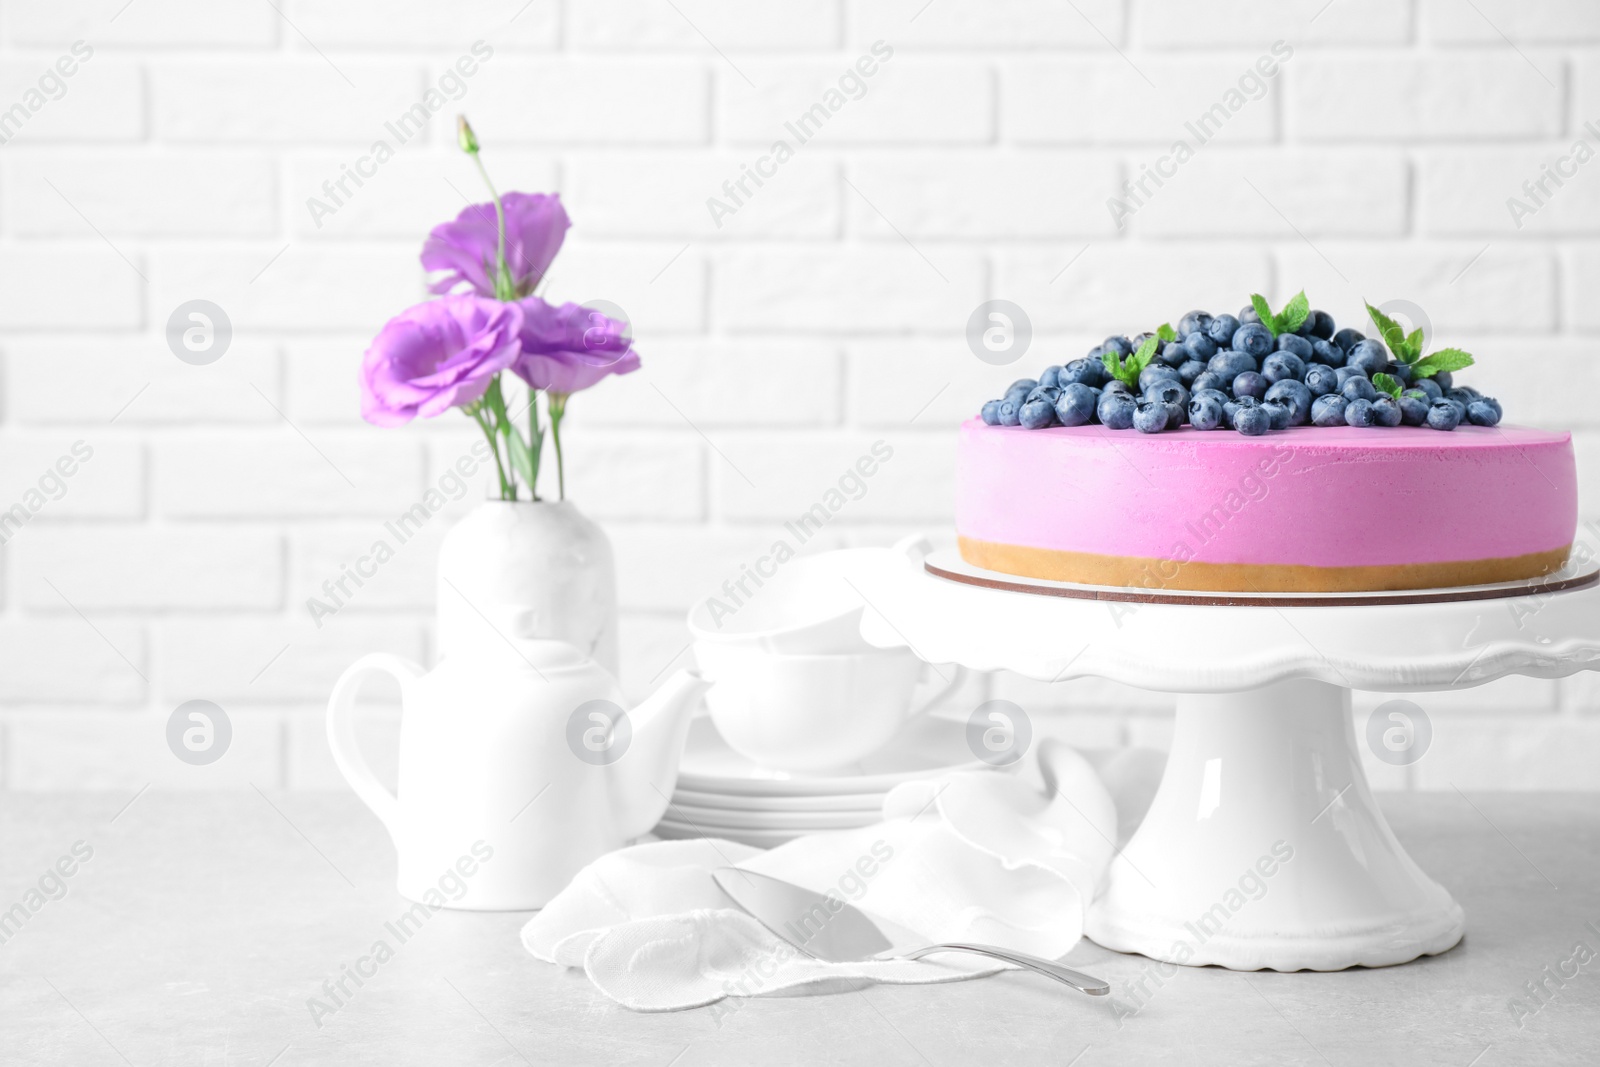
x,y
541,566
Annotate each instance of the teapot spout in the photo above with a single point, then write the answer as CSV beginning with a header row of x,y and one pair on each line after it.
x,y
643,784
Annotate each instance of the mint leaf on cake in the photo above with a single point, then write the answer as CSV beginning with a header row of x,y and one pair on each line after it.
x,y
1446,360
1289,320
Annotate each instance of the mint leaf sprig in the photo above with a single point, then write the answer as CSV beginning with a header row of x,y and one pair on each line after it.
x,y
1407,348
1288,320
1388,383
1127,371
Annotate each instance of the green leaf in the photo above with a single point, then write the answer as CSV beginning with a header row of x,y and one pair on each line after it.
x,y
1392,334
1294,313
1446,359
521,458
1264,311
1113,364
1141,359
1388,383
1166,332
1414,345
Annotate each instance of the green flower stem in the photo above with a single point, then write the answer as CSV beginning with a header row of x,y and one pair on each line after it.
x,y
494,446
535,432
503,287
558,411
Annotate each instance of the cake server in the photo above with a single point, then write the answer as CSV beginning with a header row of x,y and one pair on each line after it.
x,y
827,928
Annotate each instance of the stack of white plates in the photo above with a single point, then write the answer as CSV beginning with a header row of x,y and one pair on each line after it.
x,y
722,794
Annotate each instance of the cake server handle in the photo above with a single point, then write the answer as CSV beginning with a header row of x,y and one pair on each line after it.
x,y
1066,975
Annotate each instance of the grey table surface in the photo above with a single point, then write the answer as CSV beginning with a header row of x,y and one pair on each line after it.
x,y
202,925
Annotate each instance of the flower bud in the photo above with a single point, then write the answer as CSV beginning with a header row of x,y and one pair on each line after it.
x,y
464,135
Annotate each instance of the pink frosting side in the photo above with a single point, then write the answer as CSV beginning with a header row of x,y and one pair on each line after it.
x,y
1315,496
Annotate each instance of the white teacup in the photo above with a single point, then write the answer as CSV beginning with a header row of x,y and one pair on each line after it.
x,y
811,713
808,606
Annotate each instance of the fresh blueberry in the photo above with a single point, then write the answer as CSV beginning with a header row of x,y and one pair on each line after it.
x,y
1150,416
1429,386
1022,385
1167,391
1344,374
1156,372
1386,412
991,413
1445,380
1117,385
1048,393
1346,338
1253,339
1116,409
1231,363
1293,342
1175,354
1414,405
1328,353
1318,324
1083,372
1250,384
1209,380
1193,322
1076,405
1232,408
1051,376
1120,345
1297,395
1444,415
1369,356
1200,345
1358,388
1329,410
1009,409
1191,370
1036,414
1247,314
1484,411
1400,372
1283,366
1222,329
1205,412
1280,413
1252,422
1360,413
1463,394
1321,380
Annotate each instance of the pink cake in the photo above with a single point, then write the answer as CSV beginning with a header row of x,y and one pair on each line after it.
x,y
1313,509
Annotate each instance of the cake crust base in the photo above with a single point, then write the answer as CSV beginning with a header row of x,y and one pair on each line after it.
x,y
1087,568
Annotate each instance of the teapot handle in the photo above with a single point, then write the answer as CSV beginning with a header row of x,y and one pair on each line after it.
x,y
342,731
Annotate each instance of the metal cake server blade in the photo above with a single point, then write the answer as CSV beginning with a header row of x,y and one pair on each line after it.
x,y
831,930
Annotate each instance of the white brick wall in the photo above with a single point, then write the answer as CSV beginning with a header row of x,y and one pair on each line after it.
x,y
824,314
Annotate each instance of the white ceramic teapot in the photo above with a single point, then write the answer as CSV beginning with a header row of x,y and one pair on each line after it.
x,y
518,766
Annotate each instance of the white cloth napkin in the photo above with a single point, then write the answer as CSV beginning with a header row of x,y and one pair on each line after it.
x,y
1003,859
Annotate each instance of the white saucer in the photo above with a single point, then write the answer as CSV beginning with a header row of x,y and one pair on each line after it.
x,y
711,819
746,802
673,831
925,748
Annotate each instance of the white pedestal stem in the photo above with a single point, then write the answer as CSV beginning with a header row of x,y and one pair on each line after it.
x,y
1264,847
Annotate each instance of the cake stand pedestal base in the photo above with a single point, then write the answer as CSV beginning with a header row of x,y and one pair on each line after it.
x,y
1264,847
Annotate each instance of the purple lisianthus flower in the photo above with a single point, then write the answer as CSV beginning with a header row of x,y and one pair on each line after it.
x,y
568,348
438,355
465,249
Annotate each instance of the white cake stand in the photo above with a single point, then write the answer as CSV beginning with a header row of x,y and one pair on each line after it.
x,y
1264,847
